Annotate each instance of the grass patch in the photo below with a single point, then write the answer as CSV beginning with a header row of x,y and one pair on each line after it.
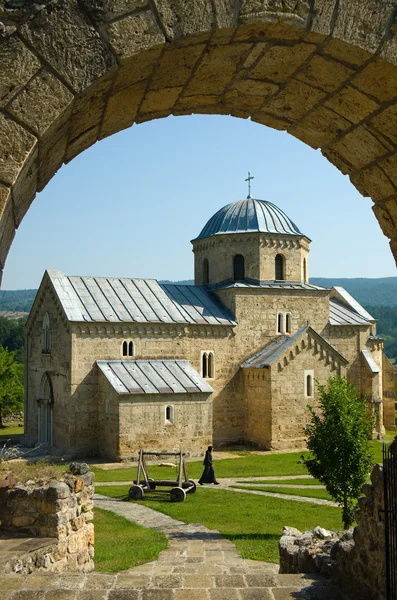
x,y
10,430
244,465
289,481
309,493
253,523
40,472
121,544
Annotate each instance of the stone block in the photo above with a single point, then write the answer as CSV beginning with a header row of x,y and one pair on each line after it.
x,y
134,34
136,68
25,187
280,62
378,79
58,491
88,109
345,52
23,521
122,109
324,73
81,143
352,104
160,100
17,145
226,13
70,44
294,101
373,182
180,18
359,147
7,224
249,94
363,24
216,70
18,65
320,127
103,11
323,13
175,67
44,101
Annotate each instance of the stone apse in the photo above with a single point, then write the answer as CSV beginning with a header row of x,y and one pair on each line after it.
x,y
74,72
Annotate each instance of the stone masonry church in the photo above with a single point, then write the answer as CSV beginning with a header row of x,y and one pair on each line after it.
x,y
113,365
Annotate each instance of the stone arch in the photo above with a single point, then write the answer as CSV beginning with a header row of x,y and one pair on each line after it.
x,y
74,72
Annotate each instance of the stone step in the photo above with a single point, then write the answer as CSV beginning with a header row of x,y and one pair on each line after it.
x,y
24,555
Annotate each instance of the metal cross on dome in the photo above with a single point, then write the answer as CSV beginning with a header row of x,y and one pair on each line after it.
x,y
249,178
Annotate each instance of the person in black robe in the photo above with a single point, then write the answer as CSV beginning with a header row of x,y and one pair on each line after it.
x,y
208,475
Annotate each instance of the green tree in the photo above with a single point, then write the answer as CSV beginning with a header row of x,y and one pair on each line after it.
x,y
338,439
11,387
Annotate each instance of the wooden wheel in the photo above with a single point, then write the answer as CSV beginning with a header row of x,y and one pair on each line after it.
x,y
136,492
192,488
177,494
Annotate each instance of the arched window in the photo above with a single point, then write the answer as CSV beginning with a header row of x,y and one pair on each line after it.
x,y
280,323
204,365
127,348
46,334
206,271
279,268
238,268
211,365
169,414
288,323
304,271
309,384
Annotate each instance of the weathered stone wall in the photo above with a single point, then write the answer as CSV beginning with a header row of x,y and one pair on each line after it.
x,y
288,389
61,510
258,401
133,422
355,560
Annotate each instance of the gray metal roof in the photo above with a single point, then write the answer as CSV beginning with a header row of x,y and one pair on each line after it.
x,y
247,216
271,284
153,377
370,361
352,302
265,357
340,314
101,299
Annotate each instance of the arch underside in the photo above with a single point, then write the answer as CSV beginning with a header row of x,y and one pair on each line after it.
x,y
73,73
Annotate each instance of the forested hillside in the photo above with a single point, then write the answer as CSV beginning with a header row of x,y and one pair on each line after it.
x,y
17,300
371,292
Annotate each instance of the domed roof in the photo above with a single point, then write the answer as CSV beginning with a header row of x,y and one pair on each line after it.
x,y
249,215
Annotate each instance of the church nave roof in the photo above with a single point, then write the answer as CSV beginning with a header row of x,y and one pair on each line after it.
x,y
109,299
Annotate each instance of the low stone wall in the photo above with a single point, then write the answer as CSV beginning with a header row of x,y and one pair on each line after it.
x,y
354,559
61,510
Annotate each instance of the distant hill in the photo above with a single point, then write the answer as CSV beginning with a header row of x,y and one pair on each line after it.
x,y
372,292
369,292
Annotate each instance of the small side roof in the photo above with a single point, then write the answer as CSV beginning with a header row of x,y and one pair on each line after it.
x,y
343,295
370,361
268,355
153,377
113,300
341,314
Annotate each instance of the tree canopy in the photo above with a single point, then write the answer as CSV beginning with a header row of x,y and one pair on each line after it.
x,y
11,386
338,439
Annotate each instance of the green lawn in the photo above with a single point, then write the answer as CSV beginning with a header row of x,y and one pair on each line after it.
x,y
121,544
244,465
10,430
252,523
308,493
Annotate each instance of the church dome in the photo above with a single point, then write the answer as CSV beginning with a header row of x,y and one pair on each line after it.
x,y
249,215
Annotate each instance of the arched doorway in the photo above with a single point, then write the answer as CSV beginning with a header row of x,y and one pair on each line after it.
x,y
323,71
45,411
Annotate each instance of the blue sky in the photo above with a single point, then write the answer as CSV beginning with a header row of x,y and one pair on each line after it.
x,y
129,206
